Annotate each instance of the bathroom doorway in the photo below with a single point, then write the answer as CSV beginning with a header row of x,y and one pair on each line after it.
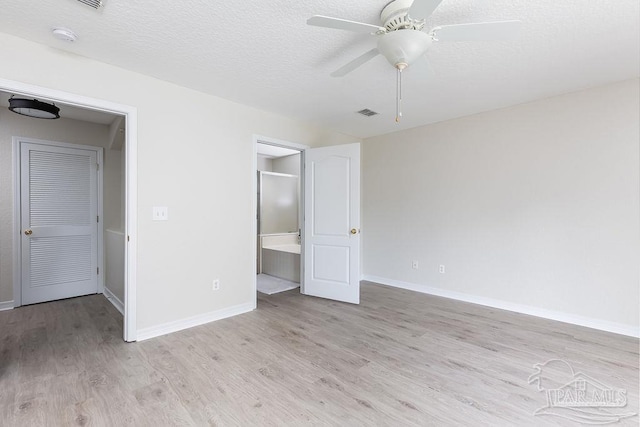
x,y
278,218
326,245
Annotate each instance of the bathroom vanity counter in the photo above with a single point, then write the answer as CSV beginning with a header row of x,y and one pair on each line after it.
x,y
280,256
291,248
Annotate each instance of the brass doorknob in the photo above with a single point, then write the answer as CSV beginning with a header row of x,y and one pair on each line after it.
x,y
28,232
354,231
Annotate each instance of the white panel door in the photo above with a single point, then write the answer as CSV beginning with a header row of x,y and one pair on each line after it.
x,y
59,208
332,223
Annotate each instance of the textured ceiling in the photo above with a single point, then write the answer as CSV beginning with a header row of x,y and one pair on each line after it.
x,y
263,54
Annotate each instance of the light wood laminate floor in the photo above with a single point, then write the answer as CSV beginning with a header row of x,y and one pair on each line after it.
x,y
399,358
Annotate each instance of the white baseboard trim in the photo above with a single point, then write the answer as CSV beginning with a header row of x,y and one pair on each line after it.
x,y
119,305
603,325
190,322
6,305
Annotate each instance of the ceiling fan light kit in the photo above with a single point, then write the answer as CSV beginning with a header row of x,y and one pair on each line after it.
x,y
403,47
401,39
34,108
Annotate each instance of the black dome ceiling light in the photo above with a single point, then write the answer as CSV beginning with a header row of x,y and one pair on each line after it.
x,y
34,108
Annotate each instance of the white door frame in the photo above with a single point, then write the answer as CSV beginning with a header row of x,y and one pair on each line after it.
x,y
17,209
258,139
131,174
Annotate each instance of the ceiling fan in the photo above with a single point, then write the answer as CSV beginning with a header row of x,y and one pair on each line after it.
x,y
401,38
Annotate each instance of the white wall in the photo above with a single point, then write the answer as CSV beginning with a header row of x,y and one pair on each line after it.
x,y
265,163
287,164
113,189
114,254
535,205
123,186
61,130
114,237
198,161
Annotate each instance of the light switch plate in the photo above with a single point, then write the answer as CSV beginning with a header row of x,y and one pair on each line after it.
x,y
160,213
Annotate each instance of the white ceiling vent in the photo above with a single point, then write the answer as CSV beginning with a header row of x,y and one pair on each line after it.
x,y
96,4
367,112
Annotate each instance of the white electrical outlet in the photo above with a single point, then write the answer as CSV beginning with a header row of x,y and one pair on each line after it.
x,y
216,285
441,269
414,265
160,213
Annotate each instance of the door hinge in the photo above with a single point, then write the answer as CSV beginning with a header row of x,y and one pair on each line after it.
x,y
127,238
97,166
98,218
98,270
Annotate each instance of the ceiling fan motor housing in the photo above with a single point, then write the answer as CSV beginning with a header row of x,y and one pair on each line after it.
x,y
403,46
394,16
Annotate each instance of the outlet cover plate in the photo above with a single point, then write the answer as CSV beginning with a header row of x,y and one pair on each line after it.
x,y
160,213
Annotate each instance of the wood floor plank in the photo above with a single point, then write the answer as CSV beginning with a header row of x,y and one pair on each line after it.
x,y
397,359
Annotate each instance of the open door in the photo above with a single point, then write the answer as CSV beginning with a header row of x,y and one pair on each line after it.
x,y
332,223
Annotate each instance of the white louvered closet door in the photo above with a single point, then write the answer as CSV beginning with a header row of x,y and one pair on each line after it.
x,y
59,222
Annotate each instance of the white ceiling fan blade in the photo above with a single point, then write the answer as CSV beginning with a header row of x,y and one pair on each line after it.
x,y
346,69
342,24
482,31
422,9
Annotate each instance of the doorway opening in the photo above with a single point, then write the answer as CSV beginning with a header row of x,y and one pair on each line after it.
x,y
328,226
279,216
78,167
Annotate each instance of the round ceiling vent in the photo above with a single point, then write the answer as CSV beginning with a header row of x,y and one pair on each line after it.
x,y
64,34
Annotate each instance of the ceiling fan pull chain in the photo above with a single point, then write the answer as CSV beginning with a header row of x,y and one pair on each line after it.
x,y
398,94
400,87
